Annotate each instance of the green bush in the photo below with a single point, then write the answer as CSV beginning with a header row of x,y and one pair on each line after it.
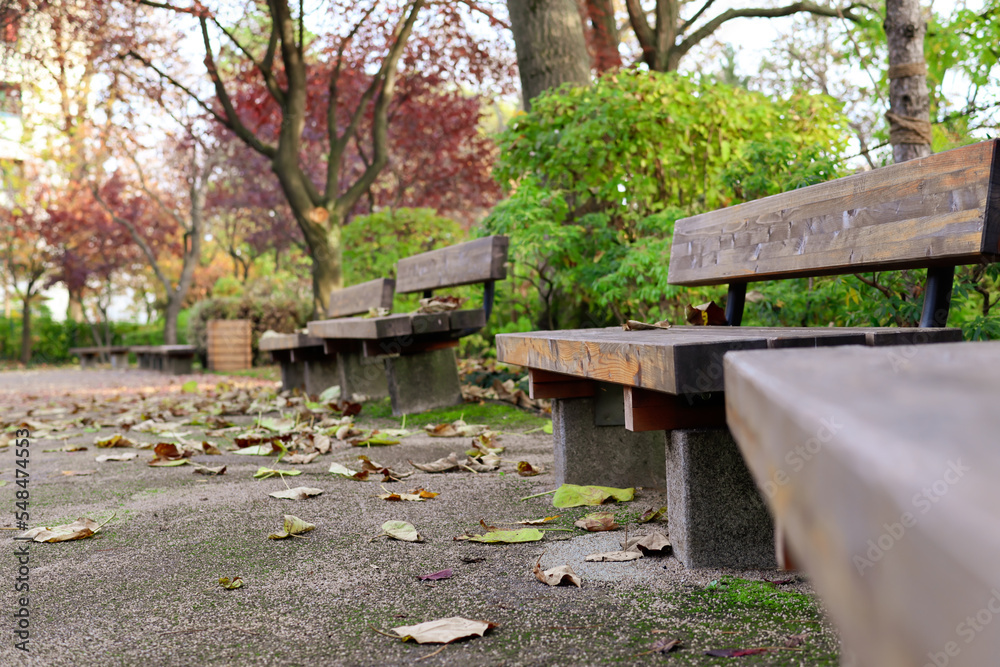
x,y
599,174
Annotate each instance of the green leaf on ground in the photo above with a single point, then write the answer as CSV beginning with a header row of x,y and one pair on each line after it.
x,y
400,530
231,584
190,387
264,472
506,536
294,526
572,495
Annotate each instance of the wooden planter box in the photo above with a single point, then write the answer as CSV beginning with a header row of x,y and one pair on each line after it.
x,y
229,347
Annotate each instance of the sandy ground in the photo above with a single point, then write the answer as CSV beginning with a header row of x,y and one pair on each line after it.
x,y
144,590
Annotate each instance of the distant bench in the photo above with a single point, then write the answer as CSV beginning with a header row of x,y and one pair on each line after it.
x,y
616,391
408,356
304,362
881,468
91,356
170,359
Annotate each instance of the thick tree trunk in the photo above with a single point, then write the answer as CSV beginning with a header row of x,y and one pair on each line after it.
x,y
25,330
550,43
909,103
327,253
74,310
170,314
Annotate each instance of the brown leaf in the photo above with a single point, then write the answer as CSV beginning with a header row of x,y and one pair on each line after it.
x,y
205,470
525,469
665,645
556,575
653,515
444,630
647,544
707,314
78,530
597,522
211,449
301,458
485,527
614,556
74,473
436,576
633,325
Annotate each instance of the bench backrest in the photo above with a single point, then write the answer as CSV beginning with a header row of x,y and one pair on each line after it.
x,y
359,299
479,261
935,211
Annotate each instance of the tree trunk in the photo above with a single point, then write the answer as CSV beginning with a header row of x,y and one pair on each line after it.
x,y
603,35
327,262
170,314
74,310
551,48
909,103
26,331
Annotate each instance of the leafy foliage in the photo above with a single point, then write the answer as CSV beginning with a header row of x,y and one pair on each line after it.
x,y
599,175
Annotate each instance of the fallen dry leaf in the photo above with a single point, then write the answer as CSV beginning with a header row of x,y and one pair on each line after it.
x,y
735,652
299,459
77,473
127,456
539,522
78,530
436,576
556,575
457,428
113,441
598,521
264,472
440,304
400,530
635,325
231,584
572,495
294,526
707,314
525,469
653,515
298,493
413,495
506,536
209,448
656,542
444,630
206,470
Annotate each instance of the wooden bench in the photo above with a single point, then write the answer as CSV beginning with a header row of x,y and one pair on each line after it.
x,y
883,479
91,356
171,359
417,349
616,391
306,365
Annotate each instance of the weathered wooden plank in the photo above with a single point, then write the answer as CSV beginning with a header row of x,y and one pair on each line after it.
x,y
937,210
113,349
463,264
467,319
647,410
359,299
362,327
545,384
883,477
288,341
679,360
426,323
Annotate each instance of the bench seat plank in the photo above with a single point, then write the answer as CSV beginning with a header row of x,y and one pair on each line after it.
x,y
884,479
683,359
396,326
290,341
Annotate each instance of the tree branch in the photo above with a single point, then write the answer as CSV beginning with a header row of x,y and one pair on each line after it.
x,y
266,72
640,26
380,129
756,12
139,241
687,24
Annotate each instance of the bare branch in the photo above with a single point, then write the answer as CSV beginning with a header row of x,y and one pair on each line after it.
x,y
687,24
139,241
640,25
266,72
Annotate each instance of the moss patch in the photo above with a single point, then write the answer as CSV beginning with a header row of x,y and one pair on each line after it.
x,y
499,416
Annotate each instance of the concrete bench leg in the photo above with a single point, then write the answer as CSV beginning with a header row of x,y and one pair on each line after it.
x,y
87,361
588,453
177,365
363,375
293,375
423,381
319,374
717,517
119,360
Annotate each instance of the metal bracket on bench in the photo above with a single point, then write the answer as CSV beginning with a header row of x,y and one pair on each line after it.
x,y
937,296
734,303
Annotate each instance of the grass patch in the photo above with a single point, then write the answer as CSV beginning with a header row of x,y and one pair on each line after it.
x,y
272,373
499,416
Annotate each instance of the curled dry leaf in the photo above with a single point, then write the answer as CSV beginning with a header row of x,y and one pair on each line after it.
x,y
635,325
597,522
735,652
127,456
440,304
647,544
525,469
113,441
77,473
707,314
169,454
539,522
444,630
572,495
457,428
66,448
653,515
556,575
400,530
294,526
665,645
206,470
298,493
209,448
299,459
369,466
414,495
78,530
231,584
613,556
436,576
